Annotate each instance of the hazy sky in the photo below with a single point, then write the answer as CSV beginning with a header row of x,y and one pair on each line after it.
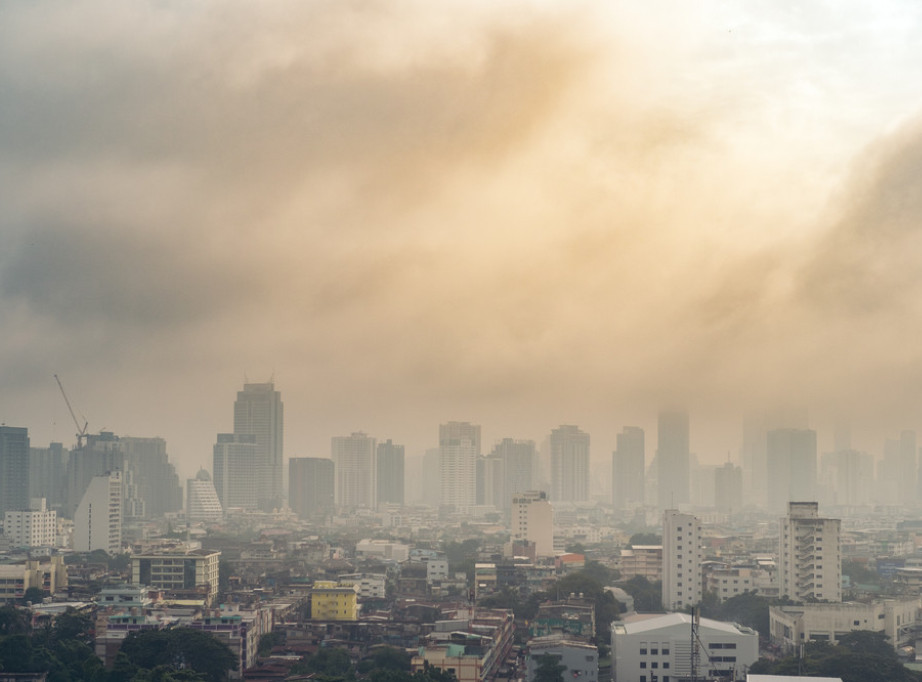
x,y
521,214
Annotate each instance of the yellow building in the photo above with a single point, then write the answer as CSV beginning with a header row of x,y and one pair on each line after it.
x,y
334,601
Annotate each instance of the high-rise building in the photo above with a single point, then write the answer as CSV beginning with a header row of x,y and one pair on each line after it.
x,y
14,468
98,519
354,464
431,471
491,473
810,555
569,464
47,475
681,560
202,502
155,484
791,455
98,454
532,520
728,488
238,467
32,527
459,448
311,481
628,465
390,468
849,472
909,469
259,411
673,459
517,466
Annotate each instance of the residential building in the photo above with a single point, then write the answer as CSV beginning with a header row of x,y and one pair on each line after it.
x,y
33,527
459,448
367,585
152,486
642,560
728,488
98,519
49,575
238,466
48,475
673,460
518,460
311,481
628,467
354,465
532,520
259,412
202,501
569,464
809,556
390,470
333,601
14,468
580,660
681,560
190,574
474,645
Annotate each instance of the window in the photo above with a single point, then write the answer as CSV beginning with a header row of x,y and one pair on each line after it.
x,y
654,665
643,664
665,652
654,652
666,664
643,651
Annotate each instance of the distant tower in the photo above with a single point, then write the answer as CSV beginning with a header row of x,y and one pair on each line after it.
x,y
532,520
673,459
791,455
311,481
354,462
202,503
47,475
728,488
258,411
14,468
390,467
909,469
681,560
628,466
810,565
237,467
569,464
518,460
98,520
459,448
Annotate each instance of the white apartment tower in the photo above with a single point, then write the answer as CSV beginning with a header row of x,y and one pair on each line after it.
x,y
354,467
98,520
34,527
809,557
681,560
533,521
459,448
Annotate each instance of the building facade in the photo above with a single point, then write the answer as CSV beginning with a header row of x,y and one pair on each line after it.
x,y
809,555
459,448
189,574
238,470
569,464
355,469
681,560
673,460
98,519
202,501
628,468
311,481
14,468
33,527
259,412
532,520
390,471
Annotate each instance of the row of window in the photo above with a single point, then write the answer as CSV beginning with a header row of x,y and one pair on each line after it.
x,y
653,651
654,664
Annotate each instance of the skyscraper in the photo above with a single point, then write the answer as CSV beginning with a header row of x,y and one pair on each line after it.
x,y
258,411
98,519
681,560
99,454
791,455
14,468
810,560
47,475
673,459
569,464
459,448
628,465
728,488
237,468
518,460
311,481
354,465
390,468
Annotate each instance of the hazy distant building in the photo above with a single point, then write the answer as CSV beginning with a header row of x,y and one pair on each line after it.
x,y
459,448
311,481
809,556
98,519
628,466
14,468
237,467
909,469
202,501
491,474
791,455
849,472
32,527
47,474
519,460
431,471
673,459
728,488
99,454
155,484
354,461
569,464
682,581
532,520
259,411
390,469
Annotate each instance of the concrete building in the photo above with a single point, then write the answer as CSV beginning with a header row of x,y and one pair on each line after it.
x,y
791,457
367,585
658,648
569,464
354,464
191,574
311,482
473,645
731,581
48,475
33,527
98,519
259,412
681,560
532,520
390,469
643,560
579,659
238,467
333,601
48,575
673,460
518,460
459,448
14,468
202,501
382,550
809,555
728,488
628,468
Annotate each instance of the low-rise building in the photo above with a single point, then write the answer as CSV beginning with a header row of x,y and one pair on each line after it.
x,y
382,550
368,585
642,560
473,645
190,574
48,575
580,659
334,601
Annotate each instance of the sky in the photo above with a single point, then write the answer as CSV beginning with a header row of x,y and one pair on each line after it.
x,y
520,214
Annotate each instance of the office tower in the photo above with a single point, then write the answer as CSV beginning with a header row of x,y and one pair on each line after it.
x,y
47,475
909,469
791,455
354,462
569,464
98,519
202,502
628,465
673,463
390,467
518,458
258,411
459,448
532,520
728,488
809,557
14,468
681,560
33,527
99,454
311,482
154,483
431,471
237,466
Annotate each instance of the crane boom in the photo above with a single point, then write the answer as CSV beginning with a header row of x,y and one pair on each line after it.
x,y
81,431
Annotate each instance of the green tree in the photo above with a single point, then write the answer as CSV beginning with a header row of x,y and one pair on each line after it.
x,y
645,539
13,621
549,669
180,648
648,597
33,595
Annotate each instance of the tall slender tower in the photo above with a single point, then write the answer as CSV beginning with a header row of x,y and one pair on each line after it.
x,y
569,464
628,465
258,411
673,461
354,465
459,448
681,560
14,468
390,469
810,563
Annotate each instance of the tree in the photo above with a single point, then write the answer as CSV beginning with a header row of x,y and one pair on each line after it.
x,y
180,648
549,669
645,539
13,621
33,595
647,596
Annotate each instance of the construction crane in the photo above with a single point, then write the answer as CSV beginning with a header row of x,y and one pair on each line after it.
x,y
81,430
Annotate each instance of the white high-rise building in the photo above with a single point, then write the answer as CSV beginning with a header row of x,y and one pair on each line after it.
x,y
33,527
258,411
459,448
533,521
354,466
681,560
810,555
202,503
98,520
